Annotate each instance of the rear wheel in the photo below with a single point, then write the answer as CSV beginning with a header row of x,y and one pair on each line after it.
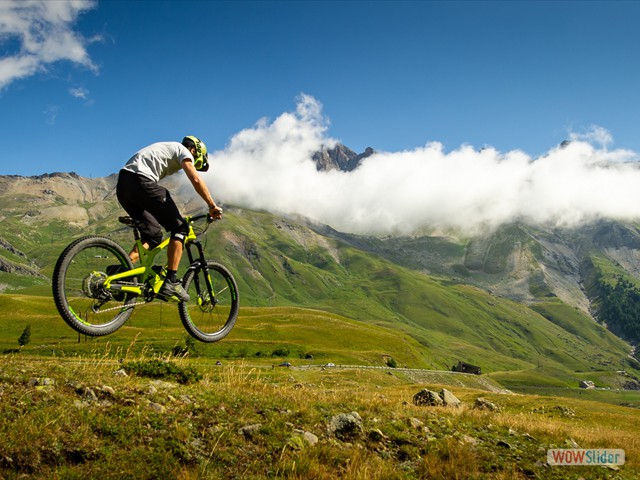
x,y
208,318
78,286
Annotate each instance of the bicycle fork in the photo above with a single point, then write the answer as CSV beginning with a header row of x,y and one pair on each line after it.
x,y
202,263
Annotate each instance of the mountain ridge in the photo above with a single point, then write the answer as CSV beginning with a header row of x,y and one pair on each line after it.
x,y
515,260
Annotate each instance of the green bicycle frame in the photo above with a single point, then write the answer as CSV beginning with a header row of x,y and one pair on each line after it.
x,y
144,272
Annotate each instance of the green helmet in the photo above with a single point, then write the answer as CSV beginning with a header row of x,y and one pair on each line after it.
x,y
201,158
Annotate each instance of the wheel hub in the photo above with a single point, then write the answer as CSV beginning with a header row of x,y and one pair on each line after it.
x,y
93,285
205,303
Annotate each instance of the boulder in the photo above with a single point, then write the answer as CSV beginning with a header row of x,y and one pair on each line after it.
x,y
346,426
449,399
427,398
484,404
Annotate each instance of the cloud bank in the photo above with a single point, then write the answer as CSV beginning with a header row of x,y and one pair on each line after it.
x,y
269,167
40,32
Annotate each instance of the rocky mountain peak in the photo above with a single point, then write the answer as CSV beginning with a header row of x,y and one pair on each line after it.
x,y
340,158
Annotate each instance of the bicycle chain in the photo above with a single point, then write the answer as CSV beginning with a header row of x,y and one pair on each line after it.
x,y
129,305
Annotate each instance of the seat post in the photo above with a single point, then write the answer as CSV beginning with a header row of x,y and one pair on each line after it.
x,y
130,222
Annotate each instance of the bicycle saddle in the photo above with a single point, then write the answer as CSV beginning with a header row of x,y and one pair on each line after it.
x,y
130,222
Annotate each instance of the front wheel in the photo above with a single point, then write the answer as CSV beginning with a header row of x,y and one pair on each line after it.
x,y
210,314
78,290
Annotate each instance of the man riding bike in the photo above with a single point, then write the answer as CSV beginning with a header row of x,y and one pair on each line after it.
x,y
148,202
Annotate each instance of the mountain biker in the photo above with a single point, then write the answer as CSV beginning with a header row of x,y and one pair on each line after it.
x,y
148,202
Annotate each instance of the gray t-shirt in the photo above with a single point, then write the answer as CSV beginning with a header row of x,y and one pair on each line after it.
x,y
158,160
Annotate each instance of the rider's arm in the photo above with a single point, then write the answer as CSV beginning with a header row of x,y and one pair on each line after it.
x,y
201,187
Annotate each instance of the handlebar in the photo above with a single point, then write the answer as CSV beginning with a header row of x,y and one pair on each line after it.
x,y
200,217
130,222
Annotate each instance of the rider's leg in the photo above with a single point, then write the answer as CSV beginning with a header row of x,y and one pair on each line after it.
x,y
171,288
145,201
174,254
153,204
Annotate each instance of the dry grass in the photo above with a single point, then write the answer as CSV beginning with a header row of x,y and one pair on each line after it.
x,y
151,429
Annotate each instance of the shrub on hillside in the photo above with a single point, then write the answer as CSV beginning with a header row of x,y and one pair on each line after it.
x,y
25,338
160,369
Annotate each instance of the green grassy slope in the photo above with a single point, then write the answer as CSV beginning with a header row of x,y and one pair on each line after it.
x,y
283,263
454,321
301,336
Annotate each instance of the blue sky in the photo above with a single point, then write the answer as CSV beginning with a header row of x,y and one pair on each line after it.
x,y
95,81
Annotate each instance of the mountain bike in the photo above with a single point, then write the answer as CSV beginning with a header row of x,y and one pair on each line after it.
x,y
96,286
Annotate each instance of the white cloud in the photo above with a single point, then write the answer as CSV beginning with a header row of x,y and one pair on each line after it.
x,y
79,92
51,114
44,35
594,134
269,167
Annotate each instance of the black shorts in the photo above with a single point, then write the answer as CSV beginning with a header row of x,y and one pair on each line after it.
x,y
146,201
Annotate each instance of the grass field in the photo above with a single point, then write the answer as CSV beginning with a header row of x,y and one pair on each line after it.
x,y
264,336
73,418
64,414
298,334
